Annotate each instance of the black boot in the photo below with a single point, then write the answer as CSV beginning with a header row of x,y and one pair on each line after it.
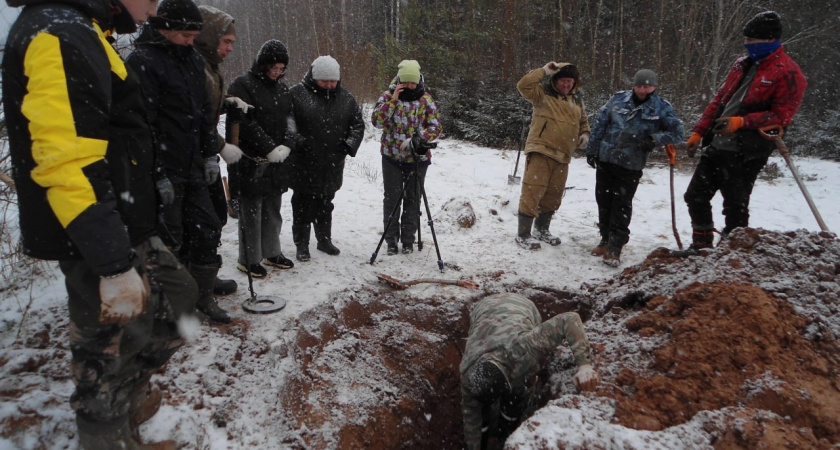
x,y
700,239
205,276
323,232
523,235
224,287
300,234
541,232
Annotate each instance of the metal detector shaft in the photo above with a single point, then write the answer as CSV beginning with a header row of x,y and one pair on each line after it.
x,y
672,160
254,304
775,133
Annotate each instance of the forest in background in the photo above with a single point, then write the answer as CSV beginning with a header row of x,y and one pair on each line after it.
x,y
472,52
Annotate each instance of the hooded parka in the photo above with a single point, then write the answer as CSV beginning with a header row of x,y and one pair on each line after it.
x,y
216,23
330,128
557,121
177,104
80,145
269,124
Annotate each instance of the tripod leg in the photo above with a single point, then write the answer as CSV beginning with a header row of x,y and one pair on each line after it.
x,y
387,226
432,228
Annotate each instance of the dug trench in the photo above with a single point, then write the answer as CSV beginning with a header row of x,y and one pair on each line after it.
x,y
381,370
749,330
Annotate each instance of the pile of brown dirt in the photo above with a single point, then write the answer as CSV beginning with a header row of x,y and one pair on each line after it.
x,y
751,326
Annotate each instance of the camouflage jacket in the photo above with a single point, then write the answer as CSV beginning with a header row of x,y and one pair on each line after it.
x,y
506,329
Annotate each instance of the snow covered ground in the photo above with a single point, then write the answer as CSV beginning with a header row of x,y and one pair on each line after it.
x,y
460,171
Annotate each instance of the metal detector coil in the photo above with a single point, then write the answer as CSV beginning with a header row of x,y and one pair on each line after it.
x,y
263,304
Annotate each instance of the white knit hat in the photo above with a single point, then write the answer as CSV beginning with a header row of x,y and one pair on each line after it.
x,y
326,68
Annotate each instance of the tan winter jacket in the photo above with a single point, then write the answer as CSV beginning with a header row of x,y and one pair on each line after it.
x,y
557,121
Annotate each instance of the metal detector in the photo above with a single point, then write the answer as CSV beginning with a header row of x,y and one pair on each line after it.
x,y
254,304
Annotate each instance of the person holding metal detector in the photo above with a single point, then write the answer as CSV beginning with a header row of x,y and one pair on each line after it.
x,y
408,117
558,126
627,129
762,89
266,138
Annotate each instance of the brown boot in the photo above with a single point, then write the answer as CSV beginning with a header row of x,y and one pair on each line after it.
x,y
145,403
600,249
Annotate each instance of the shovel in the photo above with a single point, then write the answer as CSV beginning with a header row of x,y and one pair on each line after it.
x,y
397,284
672,160
513,179
775,133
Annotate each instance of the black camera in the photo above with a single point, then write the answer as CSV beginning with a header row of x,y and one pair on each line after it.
x,y
421,146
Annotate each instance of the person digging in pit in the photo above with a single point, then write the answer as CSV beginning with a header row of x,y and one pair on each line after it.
x,y
506,346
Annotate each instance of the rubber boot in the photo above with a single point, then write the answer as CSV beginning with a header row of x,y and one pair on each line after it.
x,y
205,276
300,235
323,233
224,287
612,256
700,239
541,232
523,235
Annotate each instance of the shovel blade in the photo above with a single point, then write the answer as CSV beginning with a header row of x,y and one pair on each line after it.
x,y
514,180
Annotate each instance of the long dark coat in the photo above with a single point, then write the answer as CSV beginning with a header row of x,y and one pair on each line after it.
x,y
269,124
330,127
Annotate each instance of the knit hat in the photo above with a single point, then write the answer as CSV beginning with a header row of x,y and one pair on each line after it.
x,y
765,25
567,71
273,52
180,15
409,71
326,68
645,77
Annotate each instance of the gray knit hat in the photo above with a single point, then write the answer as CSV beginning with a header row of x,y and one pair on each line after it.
x,y
645,77
326,68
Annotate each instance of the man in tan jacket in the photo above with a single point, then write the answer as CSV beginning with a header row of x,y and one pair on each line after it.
x,y
558,127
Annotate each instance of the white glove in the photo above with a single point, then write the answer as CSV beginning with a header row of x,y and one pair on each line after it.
x,y
231,153
211,170
551,68
406,146
239,103
280,153
583,140
586,379
122,297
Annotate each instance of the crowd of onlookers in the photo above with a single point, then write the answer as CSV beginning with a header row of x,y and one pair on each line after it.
x,y
117,166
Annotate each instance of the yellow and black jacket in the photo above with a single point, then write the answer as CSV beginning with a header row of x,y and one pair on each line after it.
x,y
80,144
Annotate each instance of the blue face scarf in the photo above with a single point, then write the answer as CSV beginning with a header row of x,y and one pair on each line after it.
x,y
760,50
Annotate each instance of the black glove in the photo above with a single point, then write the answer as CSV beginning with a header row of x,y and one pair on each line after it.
x,y
592,160
420,145
346,148
646,144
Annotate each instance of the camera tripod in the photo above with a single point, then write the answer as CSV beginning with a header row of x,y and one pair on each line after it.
x,y
417,142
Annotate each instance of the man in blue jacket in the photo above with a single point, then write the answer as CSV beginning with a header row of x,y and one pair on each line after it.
x,y
627,129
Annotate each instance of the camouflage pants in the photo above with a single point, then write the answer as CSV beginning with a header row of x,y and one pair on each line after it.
x,y
108,361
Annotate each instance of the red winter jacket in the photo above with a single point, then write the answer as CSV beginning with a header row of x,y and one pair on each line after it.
x,y
773,98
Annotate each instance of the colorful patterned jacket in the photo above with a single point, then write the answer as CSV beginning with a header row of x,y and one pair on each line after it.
x,y
399,120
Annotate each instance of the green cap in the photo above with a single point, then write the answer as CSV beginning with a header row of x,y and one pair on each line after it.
x,y
409,71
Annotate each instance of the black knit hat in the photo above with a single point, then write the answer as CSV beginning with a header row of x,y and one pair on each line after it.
x,y
273,52
567,71
181,15
765,25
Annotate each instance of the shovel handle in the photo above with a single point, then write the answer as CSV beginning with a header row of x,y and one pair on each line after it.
x,y
672,154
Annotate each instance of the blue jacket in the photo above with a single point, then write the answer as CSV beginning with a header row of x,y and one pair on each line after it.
x,y
621,126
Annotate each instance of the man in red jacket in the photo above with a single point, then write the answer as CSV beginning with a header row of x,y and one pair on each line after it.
x,y
762,89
